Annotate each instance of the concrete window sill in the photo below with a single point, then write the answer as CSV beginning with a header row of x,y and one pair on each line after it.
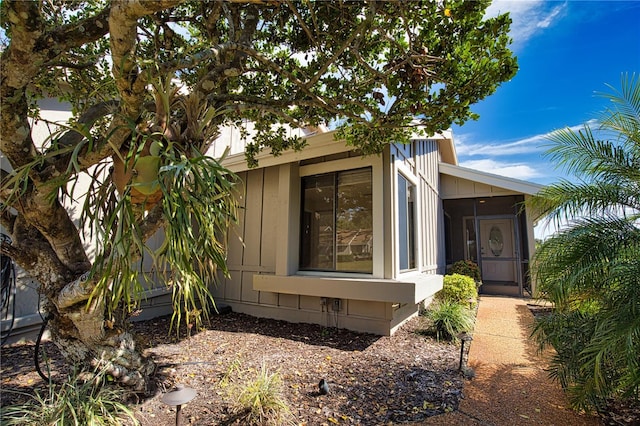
x,y
412,289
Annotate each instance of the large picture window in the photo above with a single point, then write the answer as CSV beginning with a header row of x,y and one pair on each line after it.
x,y
337,222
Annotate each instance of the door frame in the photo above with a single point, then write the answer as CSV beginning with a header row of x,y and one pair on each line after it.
x,y
516,243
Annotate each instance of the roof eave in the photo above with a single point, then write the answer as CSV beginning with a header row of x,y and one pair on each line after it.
x,y
516,185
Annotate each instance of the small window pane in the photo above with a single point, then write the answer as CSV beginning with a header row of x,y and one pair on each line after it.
x,y
337,222
354,222
406,224
317,222
471,251
496,241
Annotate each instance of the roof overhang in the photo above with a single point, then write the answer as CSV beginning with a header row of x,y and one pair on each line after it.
x,y
325,143
318,145
511,184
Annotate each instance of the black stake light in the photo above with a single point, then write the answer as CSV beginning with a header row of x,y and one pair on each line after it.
x,y
178,397
464,337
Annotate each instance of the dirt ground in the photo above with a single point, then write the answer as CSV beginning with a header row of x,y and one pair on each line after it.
x,y
372,380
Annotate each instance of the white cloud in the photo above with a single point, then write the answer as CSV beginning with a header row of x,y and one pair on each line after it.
x,y
529,17
524,146
465,147
511,170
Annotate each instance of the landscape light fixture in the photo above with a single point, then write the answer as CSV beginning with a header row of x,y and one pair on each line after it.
x,y
471,301
464,337
178,397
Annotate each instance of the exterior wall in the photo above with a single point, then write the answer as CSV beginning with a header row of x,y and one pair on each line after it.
x,y
455,187
263,247
26,318
419,162
264,243
23,322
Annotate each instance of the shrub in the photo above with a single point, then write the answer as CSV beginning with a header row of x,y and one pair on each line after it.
x,y
468,268
74,402
261,398
458,288
449,318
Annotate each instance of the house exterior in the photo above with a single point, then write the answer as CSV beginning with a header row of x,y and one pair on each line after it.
x,y
488,223
329,236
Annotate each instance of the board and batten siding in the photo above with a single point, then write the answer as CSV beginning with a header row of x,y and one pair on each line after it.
x,y
251,241
256,246
419,160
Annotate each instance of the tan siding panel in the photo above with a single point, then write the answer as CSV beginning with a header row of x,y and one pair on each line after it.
x,y
253,218
448,186
268,298
217,288
235,235
310,303
480,188
233,286
465,187
269,218
248,293
288,300
367,309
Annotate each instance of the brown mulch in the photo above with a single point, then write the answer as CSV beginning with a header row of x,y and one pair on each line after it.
x,y
372,379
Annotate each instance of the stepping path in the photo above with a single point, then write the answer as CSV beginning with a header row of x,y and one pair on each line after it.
x,y
510,386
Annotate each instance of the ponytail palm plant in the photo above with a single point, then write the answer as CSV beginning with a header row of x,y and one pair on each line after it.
x,y
590,269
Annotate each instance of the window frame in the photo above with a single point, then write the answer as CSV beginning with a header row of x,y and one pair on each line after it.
x,y
404,171
342,165
406,224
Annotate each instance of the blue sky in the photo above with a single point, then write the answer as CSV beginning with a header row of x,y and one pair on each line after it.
x,y
567,52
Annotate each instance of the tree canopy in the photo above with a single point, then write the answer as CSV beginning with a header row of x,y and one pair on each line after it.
x,y
150,83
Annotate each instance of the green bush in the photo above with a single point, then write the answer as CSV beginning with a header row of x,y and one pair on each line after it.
x,y
468,268
449,318
458,288
260,398
73,403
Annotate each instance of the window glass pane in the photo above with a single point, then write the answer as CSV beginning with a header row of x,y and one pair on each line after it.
x,y
403,225
471,251
354,221
337,222
406,224
317,242
411,220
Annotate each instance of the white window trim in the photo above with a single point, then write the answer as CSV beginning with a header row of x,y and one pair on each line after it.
x,y
400,168
375,162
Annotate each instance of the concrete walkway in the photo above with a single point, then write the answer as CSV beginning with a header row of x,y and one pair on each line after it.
x,y
510,385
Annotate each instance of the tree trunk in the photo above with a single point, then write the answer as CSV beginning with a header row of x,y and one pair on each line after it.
x,y
82,338
80,330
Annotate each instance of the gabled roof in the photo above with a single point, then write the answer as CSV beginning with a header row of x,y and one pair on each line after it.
x,y
319,143
510,184
445,145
